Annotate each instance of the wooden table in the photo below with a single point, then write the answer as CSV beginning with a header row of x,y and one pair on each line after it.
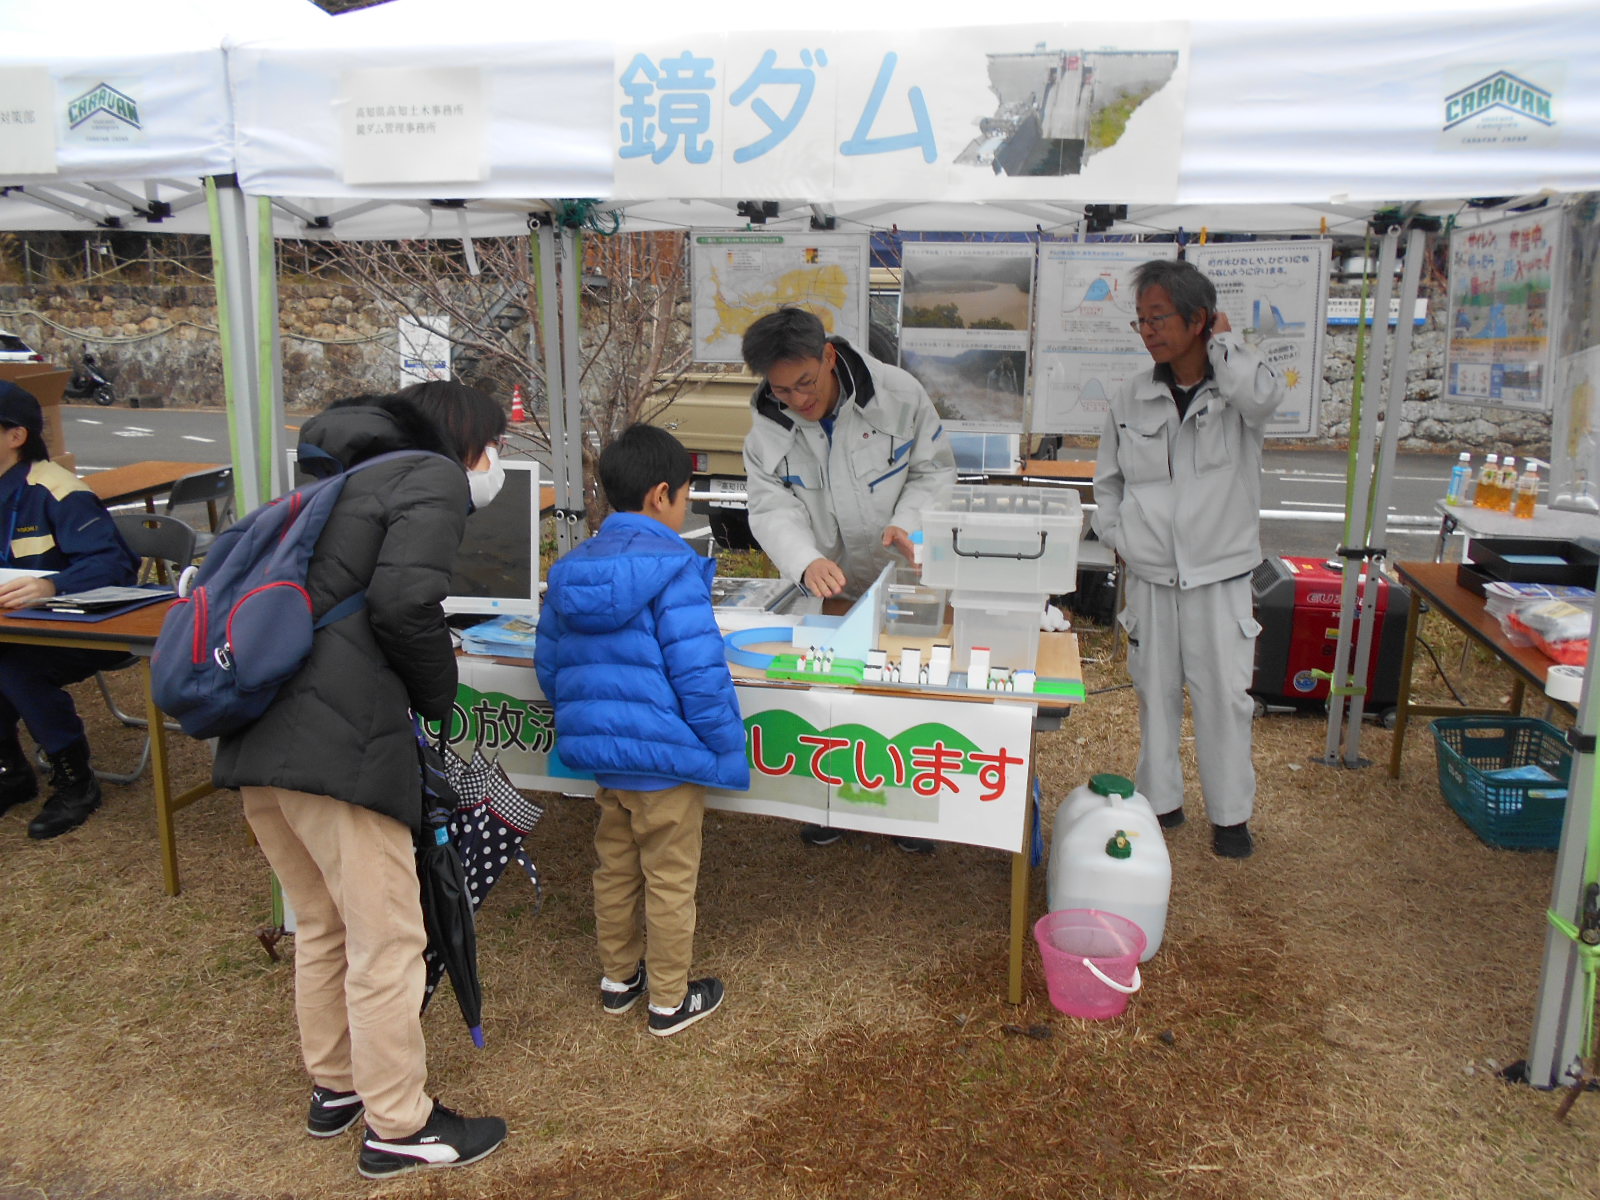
x,y
1436,583
141,481
134,633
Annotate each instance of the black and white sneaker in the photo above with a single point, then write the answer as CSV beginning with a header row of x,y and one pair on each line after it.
x,y
702,1000
819,835
332,1112
447,1140
620,997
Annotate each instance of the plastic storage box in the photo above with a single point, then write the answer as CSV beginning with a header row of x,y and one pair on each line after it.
x,y
1007,623
1003,539
913,608
1506,777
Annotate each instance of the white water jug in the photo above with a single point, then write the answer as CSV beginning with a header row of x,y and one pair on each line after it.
x,y
1107,852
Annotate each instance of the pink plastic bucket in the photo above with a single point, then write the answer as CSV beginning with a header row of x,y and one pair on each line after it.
x,y
1091,960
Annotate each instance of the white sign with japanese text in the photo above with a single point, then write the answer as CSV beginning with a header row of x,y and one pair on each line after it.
x,y
1276,298
424,349
1089,111
1502,293
412,126
740,275
27,133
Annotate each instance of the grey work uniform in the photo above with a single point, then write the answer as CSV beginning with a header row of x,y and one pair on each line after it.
x,y
1179,496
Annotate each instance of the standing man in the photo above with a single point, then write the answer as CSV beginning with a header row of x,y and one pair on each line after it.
x,y
844,453
1178,483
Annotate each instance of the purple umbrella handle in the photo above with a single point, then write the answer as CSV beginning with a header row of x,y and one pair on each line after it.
x,y
477,1036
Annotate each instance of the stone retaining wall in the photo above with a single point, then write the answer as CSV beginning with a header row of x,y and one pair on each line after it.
x,y
161,342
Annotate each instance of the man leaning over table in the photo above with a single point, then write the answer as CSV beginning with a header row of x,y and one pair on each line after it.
x,y
844,453
1178,484
52,523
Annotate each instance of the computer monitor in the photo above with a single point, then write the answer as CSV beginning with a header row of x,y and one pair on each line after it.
x,y
496,570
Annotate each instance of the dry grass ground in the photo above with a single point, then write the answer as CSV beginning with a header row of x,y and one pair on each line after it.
x,y
1334,1010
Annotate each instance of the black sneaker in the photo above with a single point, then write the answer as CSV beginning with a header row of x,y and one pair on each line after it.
x,y
819,835
447,1140
621,1000
703,998
1171,820
1233,841
332,1112
913,845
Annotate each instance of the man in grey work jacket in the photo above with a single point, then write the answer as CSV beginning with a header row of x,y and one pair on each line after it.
x,y
844,453
1178,484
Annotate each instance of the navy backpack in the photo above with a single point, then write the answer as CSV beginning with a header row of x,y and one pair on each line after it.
x,y
245,626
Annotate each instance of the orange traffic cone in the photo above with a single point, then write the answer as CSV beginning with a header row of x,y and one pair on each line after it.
x,y
518,413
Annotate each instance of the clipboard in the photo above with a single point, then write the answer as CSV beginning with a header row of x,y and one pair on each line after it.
x,y
156,596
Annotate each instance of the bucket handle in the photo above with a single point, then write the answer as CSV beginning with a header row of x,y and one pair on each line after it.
x,y
1125,988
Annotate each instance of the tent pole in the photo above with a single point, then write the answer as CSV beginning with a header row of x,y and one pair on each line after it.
x,y
230,258
1378,522
554,389
1352,556
1558,1016
274,465
572,371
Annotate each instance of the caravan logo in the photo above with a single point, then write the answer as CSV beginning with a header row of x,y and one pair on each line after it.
x,y
1500,94
103,100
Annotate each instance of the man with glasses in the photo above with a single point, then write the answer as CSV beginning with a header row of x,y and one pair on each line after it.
x,y
844,453
1178,484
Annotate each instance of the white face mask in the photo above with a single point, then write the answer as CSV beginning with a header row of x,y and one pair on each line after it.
x,y
484,486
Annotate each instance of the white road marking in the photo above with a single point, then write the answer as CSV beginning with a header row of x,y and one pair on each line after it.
x,y
134,433
191,437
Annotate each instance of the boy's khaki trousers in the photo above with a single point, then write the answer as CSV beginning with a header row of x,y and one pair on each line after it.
x,y
351,875
649,849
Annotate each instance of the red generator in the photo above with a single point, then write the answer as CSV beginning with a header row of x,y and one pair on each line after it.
x,y
1297,606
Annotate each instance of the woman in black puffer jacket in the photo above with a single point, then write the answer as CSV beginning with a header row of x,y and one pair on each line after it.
x,y
329,773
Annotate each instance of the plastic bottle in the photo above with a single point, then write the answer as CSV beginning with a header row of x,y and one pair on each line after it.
x,y
1460,476
1527,492
1508,484
1107,853
1488,480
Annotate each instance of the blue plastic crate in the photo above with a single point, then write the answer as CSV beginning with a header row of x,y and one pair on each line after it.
x,y
1506,777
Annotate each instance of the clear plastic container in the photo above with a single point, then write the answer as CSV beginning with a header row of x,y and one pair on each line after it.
x,y
1003,539
1008,624
913,609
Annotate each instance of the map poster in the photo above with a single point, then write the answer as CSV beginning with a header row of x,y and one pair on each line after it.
x,y
1501,292
741,275
1083,347
964,329
1276,295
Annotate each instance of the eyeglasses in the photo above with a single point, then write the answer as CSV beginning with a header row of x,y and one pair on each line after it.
x,y
800,387
1138,324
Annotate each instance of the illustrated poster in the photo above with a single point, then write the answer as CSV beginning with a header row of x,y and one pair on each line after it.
x,y
1502,278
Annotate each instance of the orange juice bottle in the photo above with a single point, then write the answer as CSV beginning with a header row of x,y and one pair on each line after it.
x,y
1527,493
1508,484
1488,481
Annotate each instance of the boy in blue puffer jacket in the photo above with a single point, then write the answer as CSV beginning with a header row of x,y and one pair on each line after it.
x,y
629,654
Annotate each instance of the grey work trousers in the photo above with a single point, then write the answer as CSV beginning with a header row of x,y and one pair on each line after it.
x,y
1204,639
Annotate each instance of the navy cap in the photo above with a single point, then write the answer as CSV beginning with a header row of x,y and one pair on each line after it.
x,y
18,407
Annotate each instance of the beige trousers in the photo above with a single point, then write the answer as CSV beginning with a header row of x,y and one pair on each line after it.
x,y
649,849
351,876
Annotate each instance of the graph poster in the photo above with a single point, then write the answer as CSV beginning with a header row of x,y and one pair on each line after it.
x,y
1083,347
964,329
1276,297
740,275
1501,291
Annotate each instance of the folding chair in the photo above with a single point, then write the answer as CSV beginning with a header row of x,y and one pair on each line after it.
x,y
168,544
214,489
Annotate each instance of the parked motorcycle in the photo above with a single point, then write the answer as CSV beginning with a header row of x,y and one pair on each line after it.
x,y
87,383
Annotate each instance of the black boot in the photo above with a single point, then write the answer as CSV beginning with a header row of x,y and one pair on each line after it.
x,y
74,793
18,783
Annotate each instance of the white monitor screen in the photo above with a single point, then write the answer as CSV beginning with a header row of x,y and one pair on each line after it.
x,y
497,568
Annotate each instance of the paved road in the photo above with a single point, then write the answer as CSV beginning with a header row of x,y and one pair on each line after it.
x,y
1298,487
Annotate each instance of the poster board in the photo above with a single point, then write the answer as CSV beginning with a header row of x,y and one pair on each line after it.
x,y
1502,295
739,275
1276,297
964,332
1575,415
